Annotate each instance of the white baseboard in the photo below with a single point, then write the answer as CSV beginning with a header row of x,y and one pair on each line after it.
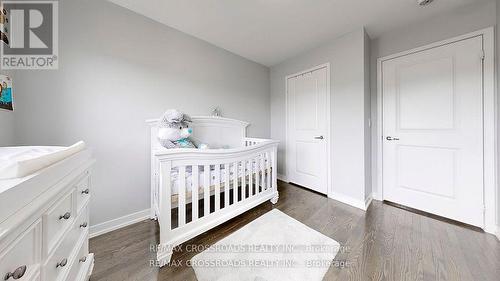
x,y
107,226
360,204
368,201
493,229
282,178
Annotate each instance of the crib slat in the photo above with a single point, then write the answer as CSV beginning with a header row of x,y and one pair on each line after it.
x,y
274,181
235,182
263,171
257,175
194,192
206,190
250,178
226,185
182,196
243,180
217,187
165,200
268,170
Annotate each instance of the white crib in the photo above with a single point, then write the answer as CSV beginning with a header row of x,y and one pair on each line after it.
x,y
229,181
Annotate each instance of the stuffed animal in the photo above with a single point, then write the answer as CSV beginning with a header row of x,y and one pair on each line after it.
x,y
174,131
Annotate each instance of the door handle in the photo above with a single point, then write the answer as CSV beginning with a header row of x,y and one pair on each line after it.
x,y
62,263
389,138
319,137
66,216
17,274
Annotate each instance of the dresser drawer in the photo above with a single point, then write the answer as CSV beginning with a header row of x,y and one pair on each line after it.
x,y
65,253
20,260
58,219
81,263
59,263
81,226
83,191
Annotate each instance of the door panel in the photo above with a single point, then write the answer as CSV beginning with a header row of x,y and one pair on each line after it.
x,y
427,169
306,161
426,105
306,102
433,107
307,120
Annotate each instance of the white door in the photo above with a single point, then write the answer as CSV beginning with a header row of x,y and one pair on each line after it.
x,y
433,131
307,151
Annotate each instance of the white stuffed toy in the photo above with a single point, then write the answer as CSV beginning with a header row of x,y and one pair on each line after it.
x,y
174,131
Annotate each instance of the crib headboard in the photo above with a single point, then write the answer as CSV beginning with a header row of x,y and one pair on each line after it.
x,y
216,131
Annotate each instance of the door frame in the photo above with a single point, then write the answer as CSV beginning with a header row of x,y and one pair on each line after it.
x,y
328,122
489,123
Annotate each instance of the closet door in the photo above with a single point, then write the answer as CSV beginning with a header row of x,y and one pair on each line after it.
x,y
433,130
307,151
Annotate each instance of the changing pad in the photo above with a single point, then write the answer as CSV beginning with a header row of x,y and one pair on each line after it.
x,y
21,161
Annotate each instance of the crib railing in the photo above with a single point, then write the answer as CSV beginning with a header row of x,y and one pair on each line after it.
x,y
212,186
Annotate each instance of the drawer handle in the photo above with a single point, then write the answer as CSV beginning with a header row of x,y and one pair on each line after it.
x,y
65,216
83,259
18,273
83,225
86,191
62,263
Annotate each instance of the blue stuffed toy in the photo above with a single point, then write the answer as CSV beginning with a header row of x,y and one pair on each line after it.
x,y
174,131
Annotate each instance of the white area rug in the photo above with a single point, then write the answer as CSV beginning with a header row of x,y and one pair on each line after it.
x,y
272,247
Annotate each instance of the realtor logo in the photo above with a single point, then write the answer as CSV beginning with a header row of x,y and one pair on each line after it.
x,y
30,30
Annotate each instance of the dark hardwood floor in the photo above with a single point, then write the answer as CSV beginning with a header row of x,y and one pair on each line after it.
x,y
385,243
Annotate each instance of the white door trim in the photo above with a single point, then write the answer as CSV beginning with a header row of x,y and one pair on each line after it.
x,y
328,117
489,119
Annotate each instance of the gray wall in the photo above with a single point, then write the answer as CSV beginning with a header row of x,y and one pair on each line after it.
x,y
367,104
498,101
7,133
117,69
6,128
346,56
454,23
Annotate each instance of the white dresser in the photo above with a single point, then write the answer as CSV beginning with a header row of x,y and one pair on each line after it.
x,y
44,223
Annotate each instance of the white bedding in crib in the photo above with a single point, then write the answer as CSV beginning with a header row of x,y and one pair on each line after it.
x,y
175,180
21,161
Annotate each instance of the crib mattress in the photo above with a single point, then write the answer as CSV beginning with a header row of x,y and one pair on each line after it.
x,y
255,172
175,197
175,179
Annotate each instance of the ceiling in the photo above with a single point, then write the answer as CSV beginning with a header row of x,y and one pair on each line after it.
x,y
271,31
